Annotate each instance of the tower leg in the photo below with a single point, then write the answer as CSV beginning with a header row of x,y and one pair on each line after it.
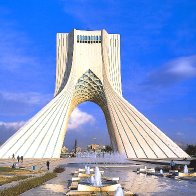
x,y
136,136
43,135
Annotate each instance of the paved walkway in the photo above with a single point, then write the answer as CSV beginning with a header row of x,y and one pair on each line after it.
x,y
27,164
141,184
131,181
55,186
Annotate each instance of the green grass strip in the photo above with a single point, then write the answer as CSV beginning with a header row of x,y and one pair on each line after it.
x,y
7,169
11,179
27,185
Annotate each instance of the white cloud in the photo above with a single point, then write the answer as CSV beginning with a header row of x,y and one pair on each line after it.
x,y
11,125
22,103
179,69
190,120
79,118
162,84
179,133
7,129
183,66
30,98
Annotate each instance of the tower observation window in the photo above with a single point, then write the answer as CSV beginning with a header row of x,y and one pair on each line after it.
x,y
88,39
99,39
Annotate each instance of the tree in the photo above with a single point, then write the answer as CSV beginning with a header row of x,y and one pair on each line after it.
x,y
191,150
108,148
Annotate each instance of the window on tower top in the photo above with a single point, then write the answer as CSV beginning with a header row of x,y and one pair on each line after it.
x,y
85,39
88,39
99,39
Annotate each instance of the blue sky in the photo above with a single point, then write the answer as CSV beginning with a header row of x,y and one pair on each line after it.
x,y
158,62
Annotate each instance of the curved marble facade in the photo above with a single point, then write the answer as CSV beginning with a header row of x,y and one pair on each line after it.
x,y
88,69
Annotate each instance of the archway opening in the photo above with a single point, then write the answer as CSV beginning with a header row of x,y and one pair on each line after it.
x,y
86,126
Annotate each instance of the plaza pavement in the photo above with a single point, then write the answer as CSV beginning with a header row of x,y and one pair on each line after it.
x,y
58,185
40,164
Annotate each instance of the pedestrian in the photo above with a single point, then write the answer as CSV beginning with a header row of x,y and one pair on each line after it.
x,y
172,164
48,165
18,158
13,156
21,158
14,166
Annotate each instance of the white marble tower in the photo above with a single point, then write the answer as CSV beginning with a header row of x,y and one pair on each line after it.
x,y
88,69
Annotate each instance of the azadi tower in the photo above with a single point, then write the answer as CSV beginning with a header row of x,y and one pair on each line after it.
x,y
88,69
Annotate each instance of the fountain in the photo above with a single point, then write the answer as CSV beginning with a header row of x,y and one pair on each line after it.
x,y
161,171
85,167
146,170
87,170
119,192
94,181
186,174
186,171
97,180
101,158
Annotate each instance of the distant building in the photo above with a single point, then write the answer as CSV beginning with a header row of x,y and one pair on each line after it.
x,y
95,147
78,149
64,150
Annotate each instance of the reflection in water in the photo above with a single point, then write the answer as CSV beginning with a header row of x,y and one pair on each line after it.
x,y
137,183
143,184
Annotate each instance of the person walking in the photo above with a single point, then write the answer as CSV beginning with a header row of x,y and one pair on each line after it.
x,y
13,156
21,158
48,165
18,158
172,164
